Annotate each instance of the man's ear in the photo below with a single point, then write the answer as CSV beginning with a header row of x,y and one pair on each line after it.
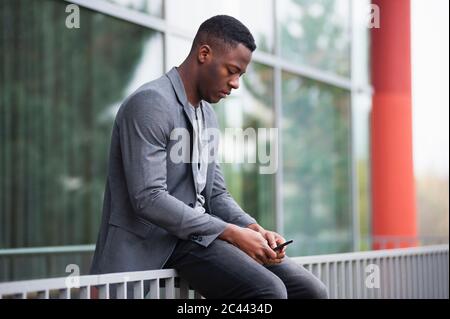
x,y
204,53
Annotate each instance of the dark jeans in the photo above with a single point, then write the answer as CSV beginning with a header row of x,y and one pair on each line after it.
x,y
224,271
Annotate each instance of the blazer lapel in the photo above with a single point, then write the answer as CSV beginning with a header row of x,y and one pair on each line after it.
x,y
210,124
180,92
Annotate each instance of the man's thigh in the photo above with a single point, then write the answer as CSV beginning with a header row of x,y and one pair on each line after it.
x,y
222,270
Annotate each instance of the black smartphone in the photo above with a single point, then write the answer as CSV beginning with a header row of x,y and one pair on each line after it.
x,y
283,244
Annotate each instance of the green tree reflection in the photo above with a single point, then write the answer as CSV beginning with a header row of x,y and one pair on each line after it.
x,y
58,87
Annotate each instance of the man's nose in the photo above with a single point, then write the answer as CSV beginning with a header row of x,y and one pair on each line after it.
x,y
234,83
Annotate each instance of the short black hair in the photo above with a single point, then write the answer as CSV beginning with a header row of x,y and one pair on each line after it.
x,y
228,29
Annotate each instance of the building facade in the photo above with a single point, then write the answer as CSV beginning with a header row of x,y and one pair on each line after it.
x,y
62,86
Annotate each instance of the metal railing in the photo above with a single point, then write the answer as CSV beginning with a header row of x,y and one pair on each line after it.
x,y
151,284
404,273
420,272
43,262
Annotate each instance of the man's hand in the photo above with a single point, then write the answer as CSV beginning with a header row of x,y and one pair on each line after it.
x,y
252,243
273,238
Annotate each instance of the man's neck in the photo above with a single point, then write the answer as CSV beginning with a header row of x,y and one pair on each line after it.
x,y
187,74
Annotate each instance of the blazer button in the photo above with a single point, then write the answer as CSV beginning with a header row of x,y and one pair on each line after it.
x,y
200,238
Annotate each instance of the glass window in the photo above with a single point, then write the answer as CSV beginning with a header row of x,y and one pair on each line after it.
x,y
360,46
250,107
154,7
361,105
316,166
60,90
316,33
361,141
177,51
188,15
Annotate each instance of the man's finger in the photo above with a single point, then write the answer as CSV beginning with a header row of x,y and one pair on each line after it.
x,y
279,239
270,253
281,255
271,239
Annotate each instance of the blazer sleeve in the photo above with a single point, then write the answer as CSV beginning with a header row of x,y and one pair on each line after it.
x,y
223,205
144,129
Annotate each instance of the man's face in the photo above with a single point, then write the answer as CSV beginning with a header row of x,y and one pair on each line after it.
x,y
220,72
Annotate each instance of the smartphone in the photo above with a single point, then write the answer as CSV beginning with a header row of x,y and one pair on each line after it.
x,y
283,244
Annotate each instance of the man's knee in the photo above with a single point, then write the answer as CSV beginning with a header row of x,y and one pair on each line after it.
x,y
309,287
319,291
271,287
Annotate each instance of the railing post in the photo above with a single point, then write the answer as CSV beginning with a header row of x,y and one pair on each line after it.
x,y
121,290
154,289
85,292
342,280
358,279
170,288
103,291
138,290
64,293
350,278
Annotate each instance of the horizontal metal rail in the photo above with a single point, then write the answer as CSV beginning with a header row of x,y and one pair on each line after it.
x,y
47,250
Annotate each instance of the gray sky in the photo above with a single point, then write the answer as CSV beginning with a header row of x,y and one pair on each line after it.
x,y
430,67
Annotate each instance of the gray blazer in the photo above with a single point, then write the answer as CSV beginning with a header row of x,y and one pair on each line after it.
x,y
149,199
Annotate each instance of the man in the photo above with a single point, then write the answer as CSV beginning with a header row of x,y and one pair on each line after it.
x,y
160,213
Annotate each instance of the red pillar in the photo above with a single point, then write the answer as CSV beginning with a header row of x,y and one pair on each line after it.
x,y
393,191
